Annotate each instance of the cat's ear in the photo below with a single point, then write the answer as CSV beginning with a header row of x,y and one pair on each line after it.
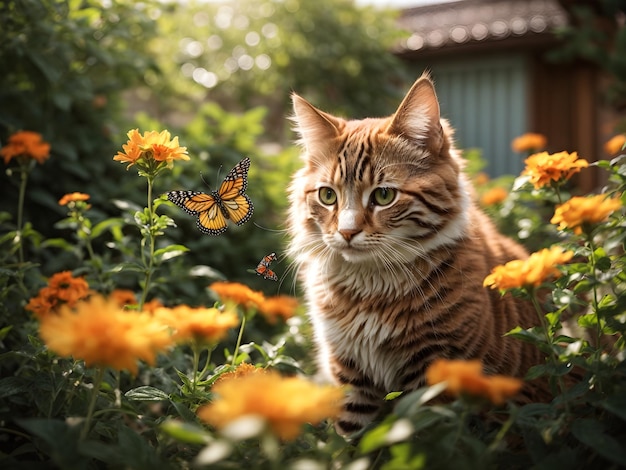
x,y
315,127
417,117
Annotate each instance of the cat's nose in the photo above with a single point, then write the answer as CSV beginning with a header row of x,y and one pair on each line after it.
x,y
348,234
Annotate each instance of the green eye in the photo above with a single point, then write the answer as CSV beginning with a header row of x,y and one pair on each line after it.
x,y
383,196
327,196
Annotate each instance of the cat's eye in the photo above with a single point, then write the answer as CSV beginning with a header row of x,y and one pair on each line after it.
x,y
383,196
327,196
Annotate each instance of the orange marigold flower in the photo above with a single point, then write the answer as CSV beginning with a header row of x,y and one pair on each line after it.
x,y
152,305
284,402
282,306
195,323
615,144
242,370
153,145
238,293
534,270
494,196
73,197
466,377
579,211
123,297
529,142
102,334
62,288
26,144
481,179
544,168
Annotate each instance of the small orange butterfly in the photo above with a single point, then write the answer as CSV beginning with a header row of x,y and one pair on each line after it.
x,y
213,209
263,268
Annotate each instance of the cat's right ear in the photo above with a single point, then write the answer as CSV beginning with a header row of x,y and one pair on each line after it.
x,y
315,128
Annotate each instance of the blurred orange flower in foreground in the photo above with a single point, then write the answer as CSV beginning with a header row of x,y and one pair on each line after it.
x,y
62,289
280,306
579,211
544,168
532,271
99,332
285,403
467,378
26,144
197,323
529,142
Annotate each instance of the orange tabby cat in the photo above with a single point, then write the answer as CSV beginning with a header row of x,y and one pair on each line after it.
x,y
393,251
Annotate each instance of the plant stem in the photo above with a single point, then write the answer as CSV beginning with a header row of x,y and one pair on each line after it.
x,y
20,211
236,352
92,402
594,288
150,262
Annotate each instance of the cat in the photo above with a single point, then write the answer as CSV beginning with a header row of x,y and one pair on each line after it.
x,y
392,252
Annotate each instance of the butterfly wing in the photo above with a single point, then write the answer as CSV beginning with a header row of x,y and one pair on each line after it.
x,y
237,205
211,220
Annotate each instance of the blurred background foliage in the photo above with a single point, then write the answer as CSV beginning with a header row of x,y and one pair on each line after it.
x,y
218,75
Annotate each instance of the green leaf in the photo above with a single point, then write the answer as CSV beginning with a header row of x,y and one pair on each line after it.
x,y
616,404
146,393
592,434
603,264
185,432
393,395
106,225
170,252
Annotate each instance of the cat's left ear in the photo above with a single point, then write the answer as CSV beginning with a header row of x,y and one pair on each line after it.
x,y
418,117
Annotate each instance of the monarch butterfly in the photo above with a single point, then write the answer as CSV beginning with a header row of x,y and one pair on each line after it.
x,y
263,268
228,202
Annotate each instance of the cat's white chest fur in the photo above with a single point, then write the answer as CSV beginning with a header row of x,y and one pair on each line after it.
x,y
361,338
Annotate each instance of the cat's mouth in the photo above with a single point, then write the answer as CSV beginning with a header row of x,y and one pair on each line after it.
x,y
354,254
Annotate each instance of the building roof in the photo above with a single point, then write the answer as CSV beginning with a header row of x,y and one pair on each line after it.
x,y
477,22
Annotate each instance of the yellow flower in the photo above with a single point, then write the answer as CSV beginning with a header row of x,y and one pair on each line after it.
x,y
544,168
615,144
102,334
466,377
284,402
493,196
534,270
282,306
26,144
73,197
62,289
202,324
238,293
156,146
579,211
529,142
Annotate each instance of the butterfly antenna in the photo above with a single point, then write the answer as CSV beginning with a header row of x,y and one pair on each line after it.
x,y
267,229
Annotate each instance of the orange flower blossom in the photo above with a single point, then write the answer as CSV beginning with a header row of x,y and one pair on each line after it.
x,y
544,168
73,197
26,144
153,145
615,144
242,370
284,402
238,293
99,332
62,288
282,306
534,270
466,377
579,211
196,323
528,142
493,196
123,297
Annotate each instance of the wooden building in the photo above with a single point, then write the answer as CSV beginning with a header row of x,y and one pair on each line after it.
x,y
489,60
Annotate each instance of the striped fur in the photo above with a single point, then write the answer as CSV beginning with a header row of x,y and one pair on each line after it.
x,y
391,287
